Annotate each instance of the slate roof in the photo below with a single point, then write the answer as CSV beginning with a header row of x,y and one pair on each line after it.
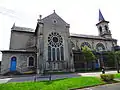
x,y
17,28
24,29
89,36
85,36
23,51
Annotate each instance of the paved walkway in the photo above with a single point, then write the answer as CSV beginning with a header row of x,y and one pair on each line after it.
x,y
5,80
60,76
96,73
115,86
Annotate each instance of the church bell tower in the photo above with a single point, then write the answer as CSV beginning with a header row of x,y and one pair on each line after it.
x,y
103,27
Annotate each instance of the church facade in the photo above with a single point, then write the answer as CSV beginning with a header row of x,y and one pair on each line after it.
x,y
50,46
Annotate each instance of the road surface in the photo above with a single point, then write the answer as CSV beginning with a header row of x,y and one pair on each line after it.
x,y
60,76
115,86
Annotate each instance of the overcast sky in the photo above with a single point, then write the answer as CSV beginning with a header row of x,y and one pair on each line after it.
x,y
82,15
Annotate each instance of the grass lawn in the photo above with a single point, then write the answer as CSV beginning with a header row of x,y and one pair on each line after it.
x,y
117,75
61,84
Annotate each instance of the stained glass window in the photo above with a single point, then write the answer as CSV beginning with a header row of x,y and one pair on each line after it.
x,y
55,42
54,39
49,53
85,44
100,47
53,53
58,54
62,54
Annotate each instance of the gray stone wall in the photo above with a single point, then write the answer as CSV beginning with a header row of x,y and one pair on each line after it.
x,y
22,61
22,40
58,26
93,42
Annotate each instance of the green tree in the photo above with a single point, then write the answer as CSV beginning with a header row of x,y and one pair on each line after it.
x,y
109,62
88,55
117,61
117,53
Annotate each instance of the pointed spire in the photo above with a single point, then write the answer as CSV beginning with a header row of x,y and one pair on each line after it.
x,y
101,18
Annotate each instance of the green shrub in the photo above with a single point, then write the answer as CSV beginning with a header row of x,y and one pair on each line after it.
x,y
107,77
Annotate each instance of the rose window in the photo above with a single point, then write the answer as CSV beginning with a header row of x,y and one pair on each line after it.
x,y
55,47
54,39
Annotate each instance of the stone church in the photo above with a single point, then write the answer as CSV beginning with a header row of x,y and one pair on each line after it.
x,y
50,46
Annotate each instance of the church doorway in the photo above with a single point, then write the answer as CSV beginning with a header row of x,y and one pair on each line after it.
x,y
13,64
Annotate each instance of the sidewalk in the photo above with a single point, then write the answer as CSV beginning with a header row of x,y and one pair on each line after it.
x,y
97,74
5,80
115,86
77,73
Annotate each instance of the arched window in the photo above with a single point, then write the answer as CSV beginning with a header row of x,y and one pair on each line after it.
x,y
100,47
31,62
100,29
58,54
106,28
53,54
49,53
62,54
13,58
85,44
55,47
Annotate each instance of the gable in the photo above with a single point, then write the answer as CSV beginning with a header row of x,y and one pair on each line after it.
x,y
51,22
54,19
